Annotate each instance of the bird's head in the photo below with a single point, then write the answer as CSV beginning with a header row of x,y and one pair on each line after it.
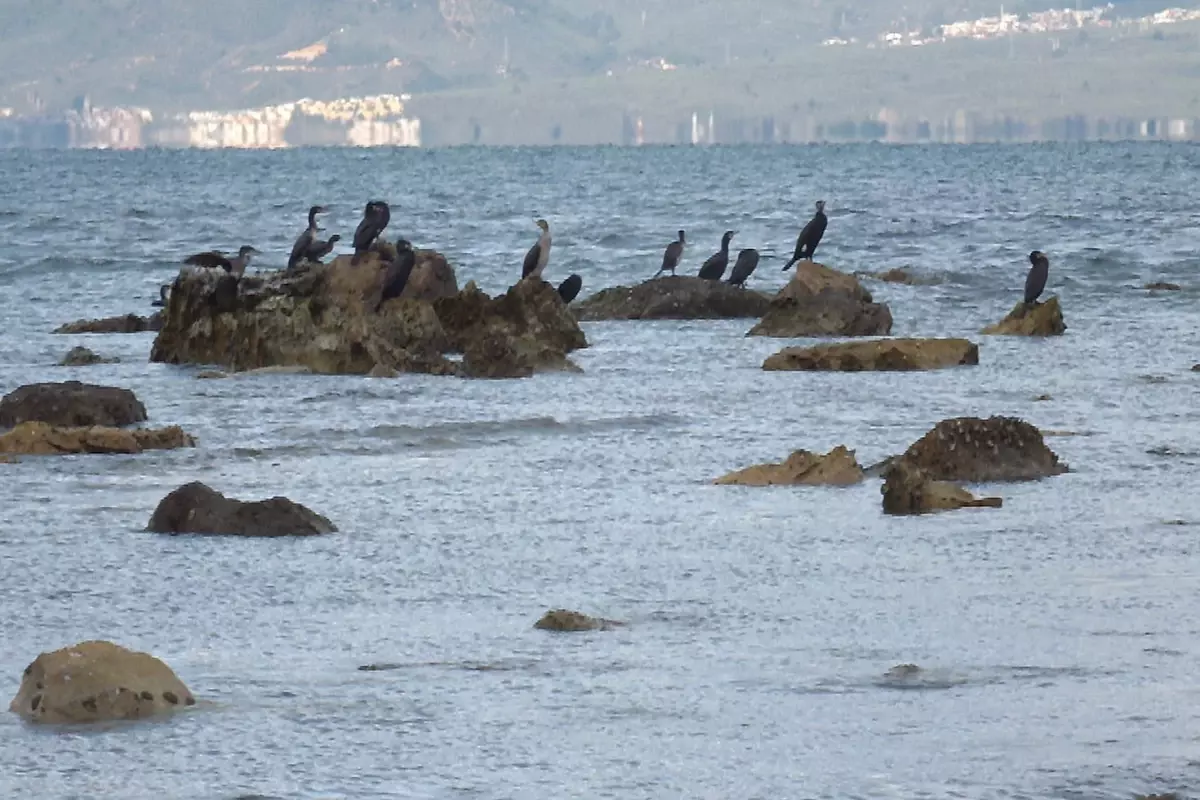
x,y
728,235
403,244
1036,256
312,212
682,237
333,239
820,205
541,223
246,251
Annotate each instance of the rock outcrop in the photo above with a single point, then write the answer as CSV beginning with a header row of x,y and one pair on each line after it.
x,y
1039,319
838,467
563,621
974,450
819,301
41,439
877,354
673,297
908,490
97,681
83,357
71,404
127,323
196,508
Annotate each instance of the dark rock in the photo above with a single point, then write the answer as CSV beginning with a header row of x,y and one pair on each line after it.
x,y
71,404
908,490
673,297
196,508
83,357
819,301
976,450
1163,286
127,323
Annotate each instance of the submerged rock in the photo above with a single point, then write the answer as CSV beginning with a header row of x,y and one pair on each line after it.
x,y
819,301
41,439
1163,286
83,357
127,323
907,490
197,508
976,450
563,621
894,275
1039,319
673,297
71,403
97,681
838,467
879,354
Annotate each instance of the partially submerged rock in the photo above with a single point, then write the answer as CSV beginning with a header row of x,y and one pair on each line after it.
x,y
673,297
71,403
126,323
908,490
563,621
878,354
894,275
819,301
97,681
1163,286
197,508
41,439
83,357
976,450
1038,319
838,467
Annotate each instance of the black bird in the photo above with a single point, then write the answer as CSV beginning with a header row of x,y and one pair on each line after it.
x,y
747,261
1035,281
163,291
714,268
568,290
671,256
375,218
538,255
397,273
321,249
215,258
810,237
306,240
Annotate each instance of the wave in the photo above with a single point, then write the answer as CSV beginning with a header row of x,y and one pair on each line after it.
x,y
457,433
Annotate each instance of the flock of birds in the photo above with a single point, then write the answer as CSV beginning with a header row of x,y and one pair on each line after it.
x,y
309,248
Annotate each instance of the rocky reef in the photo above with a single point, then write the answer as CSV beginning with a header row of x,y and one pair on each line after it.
x,y
1038,319
674,297
819,301
879,354
838,467
197,508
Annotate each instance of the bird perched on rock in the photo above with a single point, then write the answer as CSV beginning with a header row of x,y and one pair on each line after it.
x,y
306,240
810,237
376,216
538,255
215,258
568,290
164,292
714,268
397,272
672,255
745,265
1035,281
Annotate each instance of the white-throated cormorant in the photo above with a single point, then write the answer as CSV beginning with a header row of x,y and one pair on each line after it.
x,y
305,241
538,255
672,254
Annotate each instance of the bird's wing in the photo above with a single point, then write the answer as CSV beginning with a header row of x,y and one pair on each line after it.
x,y
531,259
209,259
300,248
364,233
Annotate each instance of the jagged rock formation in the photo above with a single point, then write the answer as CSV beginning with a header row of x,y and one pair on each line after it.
x,y
71,404
976,450
838,467
819,301
879,354
1039,319
126,323
673,297
196,508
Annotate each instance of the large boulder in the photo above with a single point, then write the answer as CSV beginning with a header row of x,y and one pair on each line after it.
x,y
196,508
838,467
40,439
819,301
673,297
908,490
97,681
71,403
976,450
1037,319
877,354
126,323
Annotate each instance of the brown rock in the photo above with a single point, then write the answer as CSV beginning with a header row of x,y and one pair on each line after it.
x,y
128,323
71,403
563,621
896,275
819,301
976,450
432,277
196,508
838,467
673,297
83,357
1163,286
907,490
97,681
1039,319
41,439
878,354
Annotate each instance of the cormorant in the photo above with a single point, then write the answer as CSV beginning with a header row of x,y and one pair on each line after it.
x,y
714,268
671,256
215,258
568,290
306,240
320,249
376,216
747,260
810,237
163,291
397,273
1035,281
538,255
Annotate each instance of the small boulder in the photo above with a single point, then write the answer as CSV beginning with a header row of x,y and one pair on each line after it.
x,y
1038,319
819,301
127,323
907,490
97,681
879,354
894,275
1163,286
976,450
838,467
41,439
432,277
83,357
196,508
71,403
563,621
673,297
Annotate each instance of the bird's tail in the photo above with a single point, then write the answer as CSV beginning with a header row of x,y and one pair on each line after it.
x,y
788,265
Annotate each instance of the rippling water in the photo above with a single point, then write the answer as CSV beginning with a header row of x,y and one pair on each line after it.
x,y
1060,631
